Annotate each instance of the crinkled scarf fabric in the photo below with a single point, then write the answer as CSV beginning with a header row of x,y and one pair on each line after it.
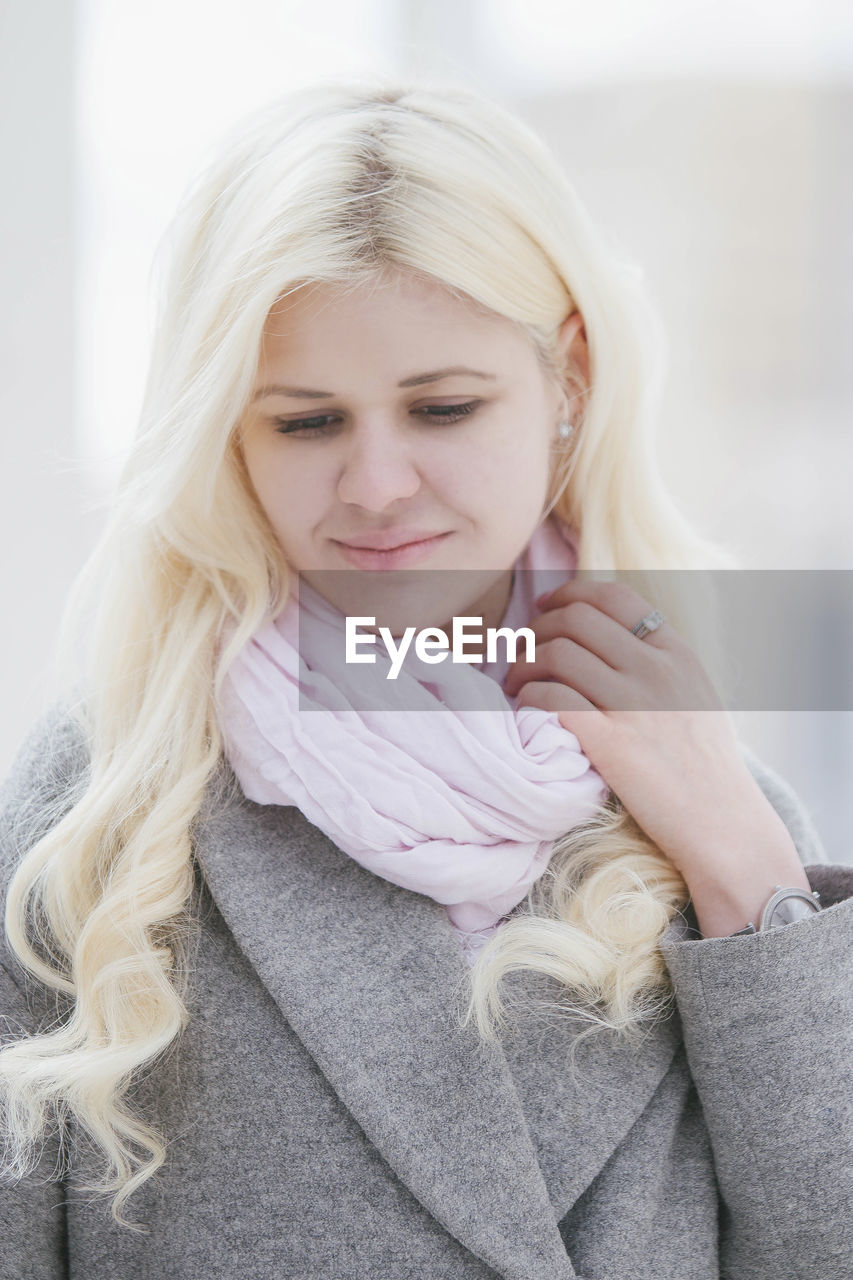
x,y
434,781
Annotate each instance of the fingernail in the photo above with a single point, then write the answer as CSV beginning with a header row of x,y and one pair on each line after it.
x,y
540,600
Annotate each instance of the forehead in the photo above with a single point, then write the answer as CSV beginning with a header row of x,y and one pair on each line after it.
x,y
390,318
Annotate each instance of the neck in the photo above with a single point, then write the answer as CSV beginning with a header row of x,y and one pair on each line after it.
x,y
491,605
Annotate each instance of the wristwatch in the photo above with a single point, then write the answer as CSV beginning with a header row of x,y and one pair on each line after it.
x,y
785,907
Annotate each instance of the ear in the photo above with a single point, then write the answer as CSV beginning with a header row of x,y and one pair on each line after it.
x,y
572,346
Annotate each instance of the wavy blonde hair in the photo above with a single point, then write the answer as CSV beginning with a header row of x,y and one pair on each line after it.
x,y
335,183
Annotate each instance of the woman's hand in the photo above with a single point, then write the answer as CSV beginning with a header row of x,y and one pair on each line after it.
x,y
648,717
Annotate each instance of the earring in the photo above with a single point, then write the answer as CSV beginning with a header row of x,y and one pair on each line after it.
x,y
565,431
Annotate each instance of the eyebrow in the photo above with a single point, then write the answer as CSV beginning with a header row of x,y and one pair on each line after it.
x,y
417,380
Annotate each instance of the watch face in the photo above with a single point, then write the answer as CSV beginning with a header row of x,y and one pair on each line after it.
x,y
791,908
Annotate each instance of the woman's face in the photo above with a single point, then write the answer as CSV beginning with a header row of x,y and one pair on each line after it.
x,y
394,427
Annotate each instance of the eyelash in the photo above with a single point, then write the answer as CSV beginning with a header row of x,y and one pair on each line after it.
x,y
323,423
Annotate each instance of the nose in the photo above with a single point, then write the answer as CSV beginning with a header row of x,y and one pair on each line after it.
x,y
377,468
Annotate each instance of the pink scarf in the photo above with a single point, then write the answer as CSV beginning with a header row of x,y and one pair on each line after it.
x,y
456,804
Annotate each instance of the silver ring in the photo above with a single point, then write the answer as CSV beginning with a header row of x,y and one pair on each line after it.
x,y
650,623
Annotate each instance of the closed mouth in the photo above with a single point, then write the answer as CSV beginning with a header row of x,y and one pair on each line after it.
x,y
389,541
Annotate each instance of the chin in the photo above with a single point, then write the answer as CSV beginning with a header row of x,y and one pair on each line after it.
x,y
409,598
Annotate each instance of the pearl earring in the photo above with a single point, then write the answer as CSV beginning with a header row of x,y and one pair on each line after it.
x,y
565,431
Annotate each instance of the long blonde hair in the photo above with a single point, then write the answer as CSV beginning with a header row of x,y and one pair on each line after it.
x,y
330,184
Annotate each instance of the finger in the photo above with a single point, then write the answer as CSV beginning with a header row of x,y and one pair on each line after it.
x,y
551,696
615,599
585,722
564,661
594,630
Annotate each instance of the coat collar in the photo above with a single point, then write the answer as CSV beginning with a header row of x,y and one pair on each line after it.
x,y
496,1142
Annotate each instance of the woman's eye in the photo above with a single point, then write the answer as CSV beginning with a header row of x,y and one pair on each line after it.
x,y
321,425
449,412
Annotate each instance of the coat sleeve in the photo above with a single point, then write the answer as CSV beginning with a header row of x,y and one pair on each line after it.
x,y
768,1029
33,1238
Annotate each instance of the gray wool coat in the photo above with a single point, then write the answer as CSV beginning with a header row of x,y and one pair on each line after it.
x,y
327,1117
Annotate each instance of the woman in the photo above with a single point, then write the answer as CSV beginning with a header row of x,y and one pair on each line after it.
x,y
268,911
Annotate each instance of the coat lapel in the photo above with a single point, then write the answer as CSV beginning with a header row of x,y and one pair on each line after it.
x,y
580,1097
371,978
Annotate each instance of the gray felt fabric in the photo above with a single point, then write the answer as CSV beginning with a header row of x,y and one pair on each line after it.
x,y
328,1118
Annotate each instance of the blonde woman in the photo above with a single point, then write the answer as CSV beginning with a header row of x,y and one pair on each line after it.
x,y
316,970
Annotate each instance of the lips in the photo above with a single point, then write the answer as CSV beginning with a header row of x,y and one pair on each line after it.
x,y
389,539
389,549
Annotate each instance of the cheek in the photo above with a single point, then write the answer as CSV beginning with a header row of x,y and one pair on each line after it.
x,y
289,498
513,469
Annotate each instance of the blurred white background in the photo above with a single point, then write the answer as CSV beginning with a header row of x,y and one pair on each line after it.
x,y
711,141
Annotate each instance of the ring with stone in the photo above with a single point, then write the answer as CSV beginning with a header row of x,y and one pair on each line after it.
x,y
646,625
